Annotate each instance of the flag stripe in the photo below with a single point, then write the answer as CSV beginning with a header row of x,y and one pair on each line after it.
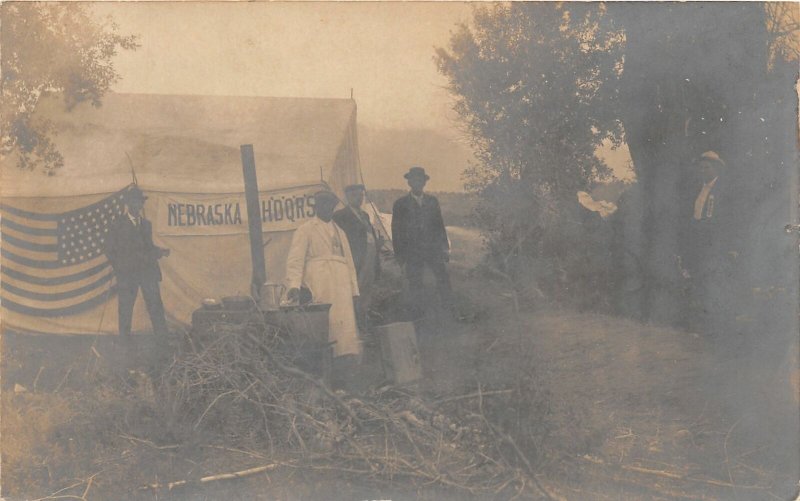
x,y
59,272
28,254
5,222
24,244
36,216
55,296
55,303
54,280
60,312
52,289
36,263
31,223
37,239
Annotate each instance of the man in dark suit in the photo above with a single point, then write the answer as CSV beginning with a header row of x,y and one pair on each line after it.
x,y
419,237
365,245
364,241
134,258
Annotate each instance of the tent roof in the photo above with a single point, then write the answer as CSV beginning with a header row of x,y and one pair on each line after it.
x,y
180,143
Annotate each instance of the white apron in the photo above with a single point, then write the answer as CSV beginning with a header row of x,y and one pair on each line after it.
x,y
328,278
320,259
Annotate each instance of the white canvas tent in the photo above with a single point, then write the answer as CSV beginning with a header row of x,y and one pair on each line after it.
x,y
185,151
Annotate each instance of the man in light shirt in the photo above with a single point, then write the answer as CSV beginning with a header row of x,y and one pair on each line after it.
x,y
705,204
711,262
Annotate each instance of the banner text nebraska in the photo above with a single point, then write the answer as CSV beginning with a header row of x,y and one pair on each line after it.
x,y
274,209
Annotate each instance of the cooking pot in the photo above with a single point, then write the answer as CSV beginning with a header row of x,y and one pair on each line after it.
x,y
237,303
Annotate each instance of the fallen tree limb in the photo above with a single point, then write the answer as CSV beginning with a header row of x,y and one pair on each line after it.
x,y
673,475
58,494
149,443
676,476
471,395
213,478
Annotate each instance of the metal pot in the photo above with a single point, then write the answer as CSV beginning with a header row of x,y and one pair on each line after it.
x,y
237,303
308,324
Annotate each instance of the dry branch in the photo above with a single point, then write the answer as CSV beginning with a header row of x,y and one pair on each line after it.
x,y
213,478
472,395
673,475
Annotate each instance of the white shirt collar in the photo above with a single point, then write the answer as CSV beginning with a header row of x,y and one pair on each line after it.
x,y
134,219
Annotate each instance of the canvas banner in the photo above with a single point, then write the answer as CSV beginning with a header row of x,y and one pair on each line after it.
x,y
226,214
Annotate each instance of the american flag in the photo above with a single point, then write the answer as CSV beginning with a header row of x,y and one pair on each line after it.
x,y
53,264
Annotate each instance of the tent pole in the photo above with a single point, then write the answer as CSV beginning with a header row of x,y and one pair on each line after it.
x,y
253,220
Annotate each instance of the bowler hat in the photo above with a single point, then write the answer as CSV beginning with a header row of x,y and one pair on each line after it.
x,y
354,187
416,172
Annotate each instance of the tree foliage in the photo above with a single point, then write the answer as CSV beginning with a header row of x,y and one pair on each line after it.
x,y
783,30
535,85
51,47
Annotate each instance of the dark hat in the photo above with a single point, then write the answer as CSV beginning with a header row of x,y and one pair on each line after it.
x,y
416,172
134,193
325,195
354,187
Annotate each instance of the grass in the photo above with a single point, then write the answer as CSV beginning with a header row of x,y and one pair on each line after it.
x,y
611,409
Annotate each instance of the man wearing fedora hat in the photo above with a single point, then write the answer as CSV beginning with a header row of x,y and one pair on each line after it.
x,y
419,237
134,258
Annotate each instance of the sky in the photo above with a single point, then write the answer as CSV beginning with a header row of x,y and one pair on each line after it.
x,y
383,52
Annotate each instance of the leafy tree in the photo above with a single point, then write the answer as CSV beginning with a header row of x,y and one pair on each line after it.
x,y
706,76
535,87
51,47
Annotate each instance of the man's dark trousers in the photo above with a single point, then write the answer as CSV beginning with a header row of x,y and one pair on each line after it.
x,y
151,293
419,239
415,268
134,257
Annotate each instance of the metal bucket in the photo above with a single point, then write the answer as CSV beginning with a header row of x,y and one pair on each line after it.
x,y
270,296
307,329
307,324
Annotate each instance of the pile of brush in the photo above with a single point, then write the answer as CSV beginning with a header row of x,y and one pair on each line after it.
x,y
252,386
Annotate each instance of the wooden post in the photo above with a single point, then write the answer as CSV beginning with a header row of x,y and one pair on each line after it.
x,y
253,219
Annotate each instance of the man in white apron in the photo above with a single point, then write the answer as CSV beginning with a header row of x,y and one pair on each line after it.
x,y
320,259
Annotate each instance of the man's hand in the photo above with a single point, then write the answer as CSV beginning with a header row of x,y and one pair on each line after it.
x,y
293,294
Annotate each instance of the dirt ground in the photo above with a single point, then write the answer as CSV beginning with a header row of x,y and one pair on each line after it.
x,y
618,410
